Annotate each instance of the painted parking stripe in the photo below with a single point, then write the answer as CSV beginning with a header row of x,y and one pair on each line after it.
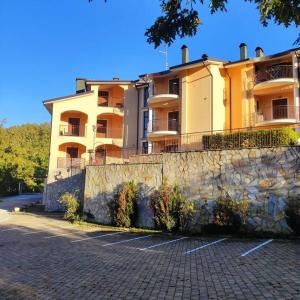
x,y
96,237
204,246
63,234
257,247
125,241
35,232
164,243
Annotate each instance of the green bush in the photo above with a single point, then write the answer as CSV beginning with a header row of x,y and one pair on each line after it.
x,y
293,214
125,205
71,205
249,139
171,210
230,213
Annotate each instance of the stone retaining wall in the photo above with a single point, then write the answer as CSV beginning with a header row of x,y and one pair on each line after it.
x,y
265,177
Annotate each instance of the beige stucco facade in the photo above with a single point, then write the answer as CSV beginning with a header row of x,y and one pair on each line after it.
x,y
107,121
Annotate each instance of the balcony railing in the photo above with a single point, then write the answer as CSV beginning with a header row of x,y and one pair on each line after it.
x,y
273,72
111,102
107,132
65,163
72,130
164,125
276,113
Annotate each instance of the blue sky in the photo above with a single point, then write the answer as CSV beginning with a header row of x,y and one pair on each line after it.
x,y
46,44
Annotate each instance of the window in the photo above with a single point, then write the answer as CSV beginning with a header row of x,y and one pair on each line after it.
x,y
74,125
146,96
280,109
103,97
173,121
145,123
145,148
72,152
174,86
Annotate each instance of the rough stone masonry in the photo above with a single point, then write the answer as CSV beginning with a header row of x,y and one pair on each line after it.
x,y
265,177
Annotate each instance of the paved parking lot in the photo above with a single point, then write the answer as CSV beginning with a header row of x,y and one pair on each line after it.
x,y
45,258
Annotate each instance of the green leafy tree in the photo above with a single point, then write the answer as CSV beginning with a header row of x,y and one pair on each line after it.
x,y
24,152
180,18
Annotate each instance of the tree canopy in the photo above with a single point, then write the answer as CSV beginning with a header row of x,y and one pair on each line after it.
x,y
24,152
180,18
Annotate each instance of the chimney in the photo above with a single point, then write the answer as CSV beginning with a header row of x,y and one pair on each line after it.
x,y
259,52
116,78
204,56
185,54
80,85
243,51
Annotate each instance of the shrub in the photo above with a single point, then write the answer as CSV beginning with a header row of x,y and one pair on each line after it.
x,y
125,205
71,205
171,210
230,213
293,214
249,139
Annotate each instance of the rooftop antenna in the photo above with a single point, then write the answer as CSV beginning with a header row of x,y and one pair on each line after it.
x,y
165,53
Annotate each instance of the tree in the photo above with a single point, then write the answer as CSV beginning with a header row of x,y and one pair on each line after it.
x,y
24,152
181,17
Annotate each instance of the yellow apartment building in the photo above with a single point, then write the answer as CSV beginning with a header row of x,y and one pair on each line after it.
x,y
106,121
210,95
89,127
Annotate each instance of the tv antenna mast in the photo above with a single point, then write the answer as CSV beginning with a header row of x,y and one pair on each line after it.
x,y
165,53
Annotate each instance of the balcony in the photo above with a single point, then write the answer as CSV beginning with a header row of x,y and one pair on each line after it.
x,y
110,136
111,105
273,77
163,127
277,115
72,130
70,163
163,100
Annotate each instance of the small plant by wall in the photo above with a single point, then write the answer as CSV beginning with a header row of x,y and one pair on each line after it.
x,y
124,208
171,210
293,214
230,215
250,139
72,206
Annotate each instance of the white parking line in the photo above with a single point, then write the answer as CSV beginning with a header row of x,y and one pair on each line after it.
x,y
165,243
35,232
204,246
96,237
257,247
124,241
63,234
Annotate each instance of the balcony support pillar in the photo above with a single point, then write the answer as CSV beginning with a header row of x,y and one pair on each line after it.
x,y
296,86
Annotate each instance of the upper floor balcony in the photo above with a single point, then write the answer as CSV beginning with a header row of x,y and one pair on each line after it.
x,y
273,77
72,130
111,104
277,115
166,96
164,127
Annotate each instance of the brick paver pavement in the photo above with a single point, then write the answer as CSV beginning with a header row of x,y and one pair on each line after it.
x,y
35,267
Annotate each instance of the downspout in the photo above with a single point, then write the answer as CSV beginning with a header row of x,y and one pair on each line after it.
x,y
138,119
230,101
211,93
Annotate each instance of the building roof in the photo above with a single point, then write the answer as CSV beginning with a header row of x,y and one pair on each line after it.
x,y
48,101
263,58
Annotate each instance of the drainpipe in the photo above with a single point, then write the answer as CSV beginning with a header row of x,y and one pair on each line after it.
x,y
138,119
296,88
230,102
204,56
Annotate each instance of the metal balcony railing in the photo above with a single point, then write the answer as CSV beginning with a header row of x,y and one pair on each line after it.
x,y
273,72
164,125
65,163
276,113
72,130
107,132
111,102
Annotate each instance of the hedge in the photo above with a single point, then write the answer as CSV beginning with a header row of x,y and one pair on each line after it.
x,y
251,139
